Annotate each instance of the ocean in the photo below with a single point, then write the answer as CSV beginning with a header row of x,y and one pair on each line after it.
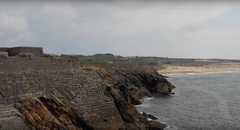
x,y
209,101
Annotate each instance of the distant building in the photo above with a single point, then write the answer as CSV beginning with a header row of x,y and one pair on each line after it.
x,y
14,51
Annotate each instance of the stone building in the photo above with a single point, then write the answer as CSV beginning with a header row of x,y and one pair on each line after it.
x,y
14,51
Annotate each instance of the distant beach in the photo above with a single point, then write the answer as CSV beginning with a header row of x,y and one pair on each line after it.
x,y
218,67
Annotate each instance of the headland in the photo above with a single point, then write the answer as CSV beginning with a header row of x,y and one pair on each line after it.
x,y
44,91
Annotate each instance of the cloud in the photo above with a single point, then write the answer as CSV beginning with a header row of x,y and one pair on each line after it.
x,y
127,19
12,24
163,28
23,39
14,29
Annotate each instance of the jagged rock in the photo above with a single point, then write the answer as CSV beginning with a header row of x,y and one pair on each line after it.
x,y
50,113
127,85
153,125
64,95
152,117
145,114
149,116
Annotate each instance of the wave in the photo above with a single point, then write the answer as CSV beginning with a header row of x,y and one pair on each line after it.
x,y
144,105
171,127
146,99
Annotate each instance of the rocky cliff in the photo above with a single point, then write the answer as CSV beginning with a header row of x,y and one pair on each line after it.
x,y
61,93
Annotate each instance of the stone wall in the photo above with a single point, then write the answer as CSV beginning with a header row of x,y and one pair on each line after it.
x,y
4,49
36,51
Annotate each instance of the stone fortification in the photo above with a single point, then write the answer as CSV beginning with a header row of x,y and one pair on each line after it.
x,y
14,51
59,93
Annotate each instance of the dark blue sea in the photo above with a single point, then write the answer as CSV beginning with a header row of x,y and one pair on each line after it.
x,y
209,101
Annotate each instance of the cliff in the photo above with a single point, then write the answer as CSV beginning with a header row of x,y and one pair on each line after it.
x,y
61,93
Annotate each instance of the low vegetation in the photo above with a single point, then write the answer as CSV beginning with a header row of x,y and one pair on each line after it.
x,y
159,62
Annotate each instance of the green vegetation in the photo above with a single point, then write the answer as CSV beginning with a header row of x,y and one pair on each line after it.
x,y
123,60
152,61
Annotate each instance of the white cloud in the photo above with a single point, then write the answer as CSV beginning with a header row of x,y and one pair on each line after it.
x,y
17,25
23,39
12,24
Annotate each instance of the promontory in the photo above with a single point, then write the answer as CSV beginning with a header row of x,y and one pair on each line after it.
x,y
44,92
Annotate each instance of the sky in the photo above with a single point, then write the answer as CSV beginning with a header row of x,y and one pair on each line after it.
x,y
171,28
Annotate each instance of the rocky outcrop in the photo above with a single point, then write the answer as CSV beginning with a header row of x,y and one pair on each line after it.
x,y
43,113
127,84
153,125
58,93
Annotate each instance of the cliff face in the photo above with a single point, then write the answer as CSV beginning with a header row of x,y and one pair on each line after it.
x,y
45,93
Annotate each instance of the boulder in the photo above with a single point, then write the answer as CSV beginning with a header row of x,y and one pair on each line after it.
x,y
152,117
149,116
154,125
4,54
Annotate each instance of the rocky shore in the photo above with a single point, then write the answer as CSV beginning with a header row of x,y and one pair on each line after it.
x,y
38,93
127,84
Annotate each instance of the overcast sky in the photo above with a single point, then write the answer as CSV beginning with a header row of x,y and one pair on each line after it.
x,y
185,29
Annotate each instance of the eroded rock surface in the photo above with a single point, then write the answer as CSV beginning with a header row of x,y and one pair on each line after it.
x,y
40,93
127,84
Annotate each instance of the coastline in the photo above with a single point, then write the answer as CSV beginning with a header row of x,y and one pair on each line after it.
x,y
213,68
201,73
43,91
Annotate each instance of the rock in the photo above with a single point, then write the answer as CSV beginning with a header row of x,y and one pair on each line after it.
x,y
127,85
95,96
153,125
28,55
45,113
149,116
152,117
145,114
4,54
48,55
131,126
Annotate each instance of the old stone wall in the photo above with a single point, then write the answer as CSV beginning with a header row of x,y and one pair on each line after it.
x,y
36,51
14,51
4,49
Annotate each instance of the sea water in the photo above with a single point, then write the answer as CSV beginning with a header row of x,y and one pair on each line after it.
x,y
209,101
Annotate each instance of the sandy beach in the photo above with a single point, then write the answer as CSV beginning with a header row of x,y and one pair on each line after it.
x,y
218,67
